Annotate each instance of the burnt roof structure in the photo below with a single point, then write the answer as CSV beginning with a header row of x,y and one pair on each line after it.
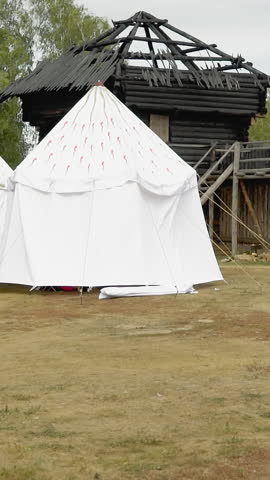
x,y
190,90
141,41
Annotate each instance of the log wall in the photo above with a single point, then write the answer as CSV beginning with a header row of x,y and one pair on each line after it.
x,y
259,193
190,130
248,99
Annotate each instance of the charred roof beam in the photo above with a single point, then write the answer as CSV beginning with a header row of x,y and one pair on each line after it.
x,y
123,50
154,40
143,17
150,45
198,48
199,42
174,49
110,37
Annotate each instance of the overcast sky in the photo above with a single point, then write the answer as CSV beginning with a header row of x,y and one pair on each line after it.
x,y
236,26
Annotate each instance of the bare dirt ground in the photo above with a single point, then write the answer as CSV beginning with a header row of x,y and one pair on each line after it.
x,y
158,388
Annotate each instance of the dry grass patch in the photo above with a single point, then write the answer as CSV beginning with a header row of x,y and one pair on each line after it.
x,y
158,388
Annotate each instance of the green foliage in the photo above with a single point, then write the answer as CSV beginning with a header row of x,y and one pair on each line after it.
x,y
260,130
16,42
13,145
60,24
37,28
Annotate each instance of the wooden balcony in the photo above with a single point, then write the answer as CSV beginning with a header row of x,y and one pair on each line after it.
x,y
235,164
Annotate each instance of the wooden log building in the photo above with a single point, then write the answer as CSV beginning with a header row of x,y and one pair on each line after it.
x,y
199,99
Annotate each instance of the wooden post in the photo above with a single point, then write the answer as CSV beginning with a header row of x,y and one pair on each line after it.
x,y
235,188
211,216
213,153
211,205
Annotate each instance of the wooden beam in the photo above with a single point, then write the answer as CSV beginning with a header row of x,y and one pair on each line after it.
x,y
257,170
215,165
177,56
255,177
235,189
216,184
199,42
149,22
109,36
250,207
205,155
148,38
150,44
197,48
126,46
174,48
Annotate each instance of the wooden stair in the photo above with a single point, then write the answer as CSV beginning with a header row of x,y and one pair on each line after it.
x,y
241,161
211,180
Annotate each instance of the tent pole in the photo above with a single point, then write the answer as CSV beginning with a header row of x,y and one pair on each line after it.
x,y
87,240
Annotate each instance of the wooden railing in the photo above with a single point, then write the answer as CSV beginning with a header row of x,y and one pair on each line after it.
x,y
237,162
254,160
249,160
254,157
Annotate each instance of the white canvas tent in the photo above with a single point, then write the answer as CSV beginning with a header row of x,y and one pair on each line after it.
x,y
102,201
5,173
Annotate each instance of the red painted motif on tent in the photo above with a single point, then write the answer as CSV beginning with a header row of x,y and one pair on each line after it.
x,y
75,126
85,140
102,146
64,148
118,140
67,169
62,138
75,149
50,156
101,124
49,143
83,127
65,124
153,152
168,170
109,135
34,160
81,159
112,121
125,158
112,153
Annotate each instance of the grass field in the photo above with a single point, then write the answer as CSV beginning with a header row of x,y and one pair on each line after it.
x,y
158,388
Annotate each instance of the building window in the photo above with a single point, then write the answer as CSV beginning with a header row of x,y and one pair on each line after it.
x,y
160,125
